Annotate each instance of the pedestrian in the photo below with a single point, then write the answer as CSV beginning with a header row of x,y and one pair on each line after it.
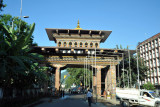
x,y
89,96
63,93
104,94
108,94
69,91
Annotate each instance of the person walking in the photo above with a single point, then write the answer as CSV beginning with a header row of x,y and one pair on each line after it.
x,y
63,93
89,96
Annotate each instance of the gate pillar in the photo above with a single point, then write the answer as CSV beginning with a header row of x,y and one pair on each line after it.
x,y
57,76
111,81
94,84
98,77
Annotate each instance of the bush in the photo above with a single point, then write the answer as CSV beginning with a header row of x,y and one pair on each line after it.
x,y
149,86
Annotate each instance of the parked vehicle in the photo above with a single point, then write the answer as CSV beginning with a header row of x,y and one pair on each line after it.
x,y
134,97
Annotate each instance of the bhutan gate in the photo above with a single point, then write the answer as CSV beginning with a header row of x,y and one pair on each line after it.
x,y
73,46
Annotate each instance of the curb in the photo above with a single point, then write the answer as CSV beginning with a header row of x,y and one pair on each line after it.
x,y
36,102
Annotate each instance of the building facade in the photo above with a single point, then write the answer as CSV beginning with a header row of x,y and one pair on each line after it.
x,y
150,53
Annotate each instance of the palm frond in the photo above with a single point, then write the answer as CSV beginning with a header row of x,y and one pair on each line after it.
x,y
2,69
18,60
29,35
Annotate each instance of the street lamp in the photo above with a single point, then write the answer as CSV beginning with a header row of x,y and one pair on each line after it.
x,y
21,16
123,76
25,16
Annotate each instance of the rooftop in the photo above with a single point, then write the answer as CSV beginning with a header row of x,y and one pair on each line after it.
x,y
103,34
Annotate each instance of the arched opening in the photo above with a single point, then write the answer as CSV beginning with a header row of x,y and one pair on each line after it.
x,y
86,44
59,44
64,44
96,44
91,44
75,44
70,44
81,44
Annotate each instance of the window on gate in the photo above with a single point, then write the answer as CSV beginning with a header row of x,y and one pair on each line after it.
x,y
86,44
70,44
81,44
96,44
65,44
91,44
75,44
59,44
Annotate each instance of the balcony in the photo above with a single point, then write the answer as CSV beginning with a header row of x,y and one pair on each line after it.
x,y
153,56
157,55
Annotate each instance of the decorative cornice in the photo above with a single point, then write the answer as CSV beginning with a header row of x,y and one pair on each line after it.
x,y
101,34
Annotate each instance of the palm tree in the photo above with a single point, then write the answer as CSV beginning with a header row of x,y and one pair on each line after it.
x,y
15,56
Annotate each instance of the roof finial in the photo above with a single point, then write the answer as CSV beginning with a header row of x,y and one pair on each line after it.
x,y
78,27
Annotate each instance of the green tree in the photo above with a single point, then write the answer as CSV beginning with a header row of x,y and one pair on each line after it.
x,y
17,63
13,23
133,62
2,5
76,76
120,47
148,86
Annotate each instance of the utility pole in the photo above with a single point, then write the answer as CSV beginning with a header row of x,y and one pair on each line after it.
x,y
84,74
111,77
118,72
20,17
92,70
130,67
123,69
96,74
89,69
138,69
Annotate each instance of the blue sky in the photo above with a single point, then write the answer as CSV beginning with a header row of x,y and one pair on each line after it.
x,y
131,21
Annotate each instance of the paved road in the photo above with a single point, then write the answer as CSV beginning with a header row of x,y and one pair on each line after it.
x,y
70,101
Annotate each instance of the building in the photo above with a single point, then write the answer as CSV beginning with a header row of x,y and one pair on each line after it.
x,y
150,53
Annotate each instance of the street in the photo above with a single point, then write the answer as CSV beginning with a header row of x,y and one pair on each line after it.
x,y
71,101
